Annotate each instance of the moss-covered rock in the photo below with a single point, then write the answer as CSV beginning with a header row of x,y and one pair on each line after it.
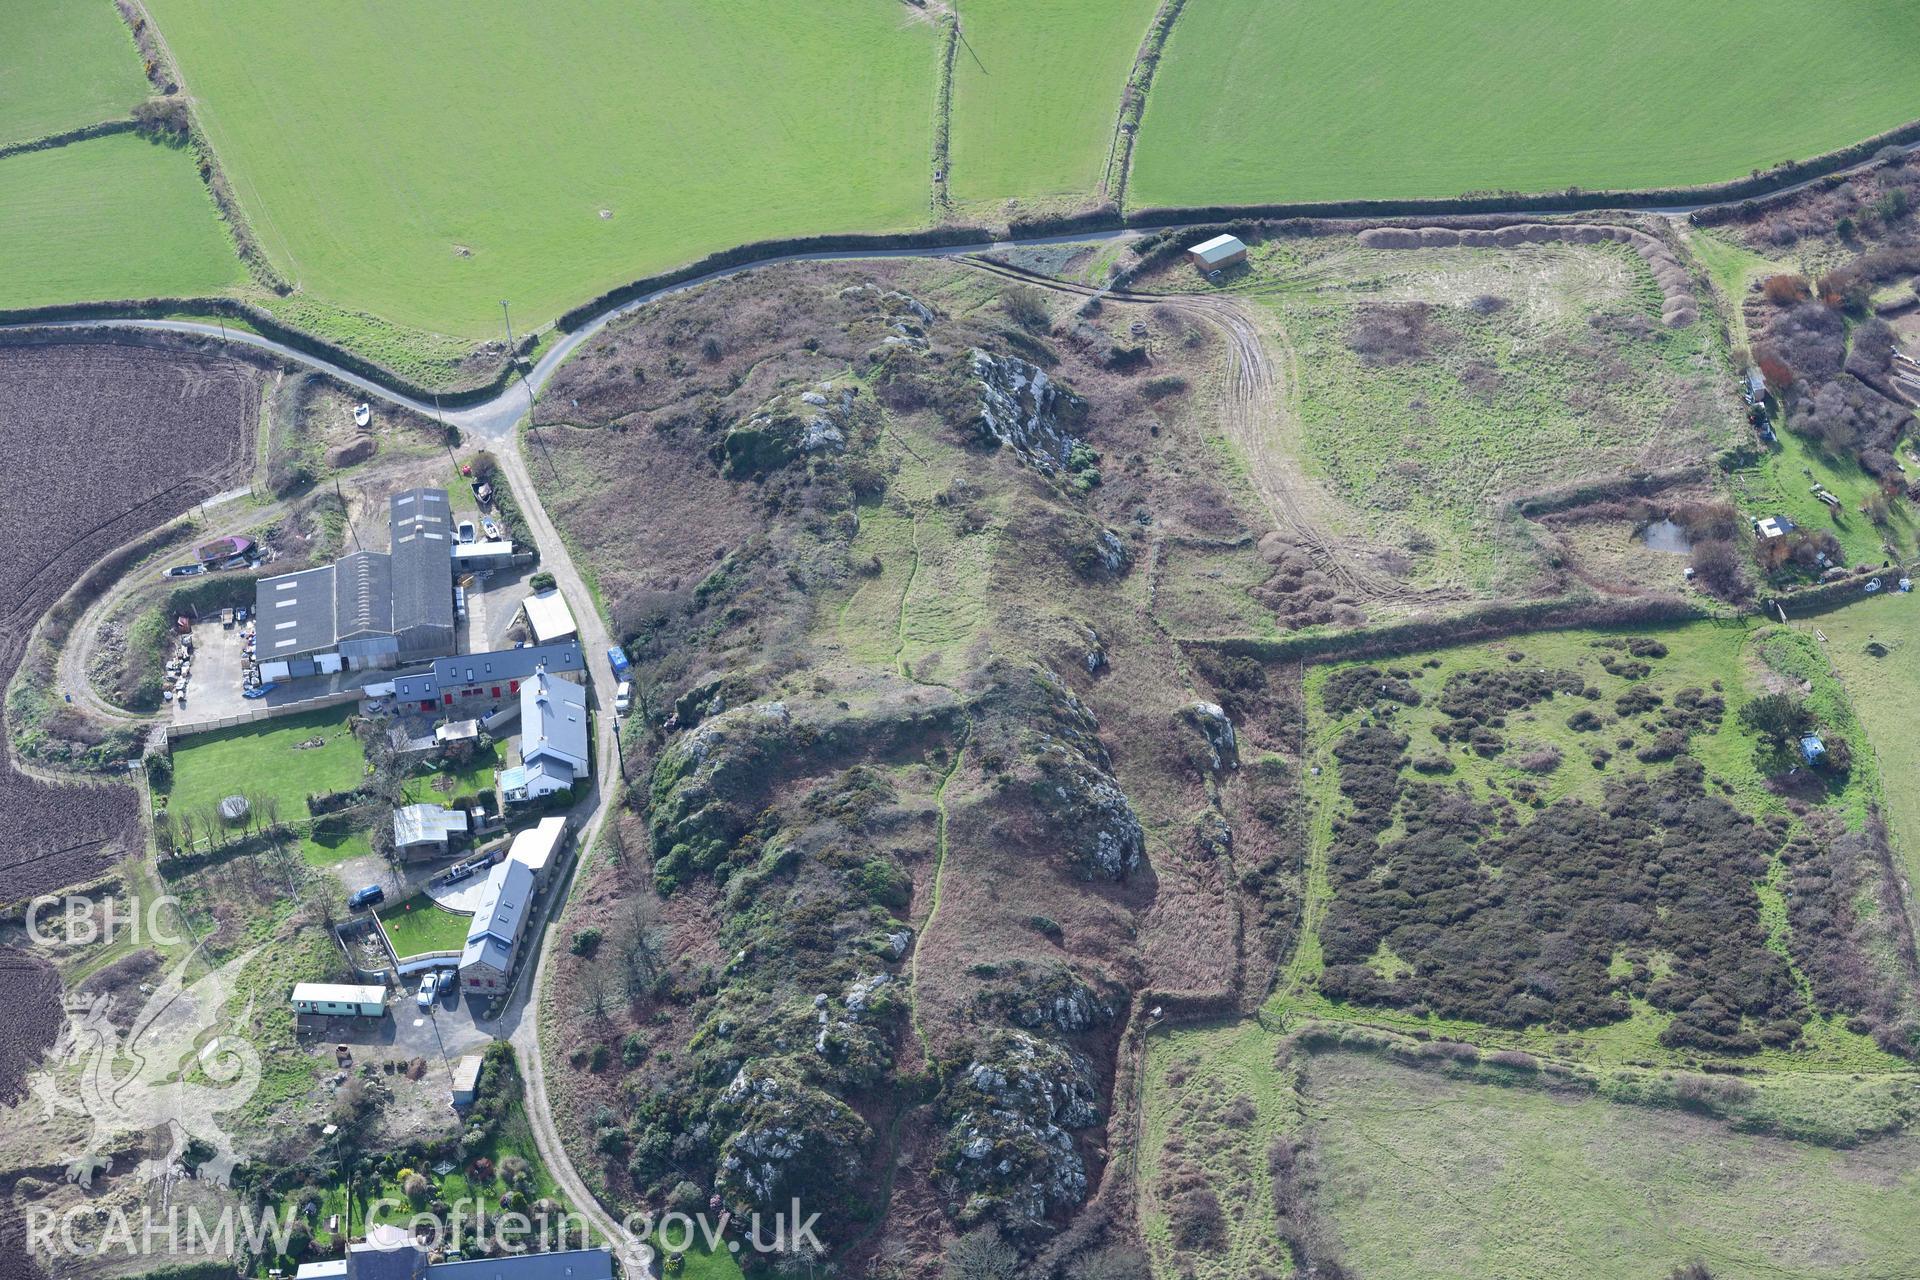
x,y
1009,1153
785,1139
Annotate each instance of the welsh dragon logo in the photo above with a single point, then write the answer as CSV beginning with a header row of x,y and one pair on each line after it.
x,y
166,1070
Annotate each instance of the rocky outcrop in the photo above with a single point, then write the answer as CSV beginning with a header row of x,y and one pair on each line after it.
x,y
787,1139
1210,719
816,421
1009,1153
1024,409
1052,740
1056,999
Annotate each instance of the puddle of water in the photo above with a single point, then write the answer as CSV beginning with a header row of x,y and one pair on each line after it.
x,y
1665,535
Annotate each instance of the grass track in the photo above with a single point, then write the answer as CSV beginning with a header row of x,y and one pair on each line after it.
x,y
373,144
114,217
1282,100
77,67
1036,89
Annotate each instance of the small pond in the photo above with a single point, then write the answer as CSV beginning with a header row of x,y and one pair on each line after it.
x,y
1665,535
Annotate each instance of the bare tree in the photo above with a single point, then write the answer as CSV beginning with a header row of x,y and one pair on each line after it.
x,y
595,998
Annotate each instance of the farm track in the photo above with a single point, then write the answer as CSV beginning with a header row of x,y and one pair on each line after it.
x,y
1256,422
1253,408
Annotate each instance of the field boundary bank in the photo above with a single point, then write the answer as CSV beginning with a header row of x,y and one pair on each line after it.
x,y
943,114
163,77
1493,622
85,133
1716,201
267,326
175,732
1133,100
1812,601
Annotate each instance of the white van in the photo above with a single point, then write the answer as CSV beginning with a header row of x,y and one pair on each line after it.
x,y
623,697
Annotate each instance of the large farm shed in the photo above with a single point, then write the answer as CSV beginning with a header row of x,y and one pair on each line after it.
x,y
497,674
1221,251
372,608
339,999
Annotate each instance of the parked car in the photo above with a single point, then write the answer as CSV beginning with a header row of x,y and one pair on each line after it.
x,y
618,657
429,990
623,697
366,897
463,532
260,690
490,528
186,570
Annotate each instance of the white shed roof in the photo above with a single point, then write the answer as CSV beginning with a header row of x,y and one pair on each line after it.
x,y
548,615
537,844
339,993
1218,249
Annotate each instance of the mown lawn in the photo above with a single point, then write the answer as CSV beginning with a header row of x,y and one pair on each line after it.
x,y
1036,94
441,785
266,760
418,924
421,162
116,217
64,64
327,850
1281,100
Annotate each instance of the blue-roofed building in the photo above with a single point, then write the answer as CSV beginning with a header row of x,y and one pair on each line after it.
x,y
554,751
1812,750
493,676
493,939
389,1254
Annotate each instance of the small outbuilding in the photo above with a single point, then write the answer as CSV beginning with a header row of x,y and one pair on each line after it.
x,y
338,999
426,830
1774,527
1812,749
1220,252
549,617
1756,385
466,1080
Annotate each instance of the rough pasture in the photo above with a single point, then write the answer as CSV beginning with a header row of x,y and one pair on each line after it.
x,y
104,443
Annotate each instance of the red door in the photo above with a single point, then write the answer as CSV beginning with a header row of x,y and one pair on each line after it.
x,y
496,691
449,698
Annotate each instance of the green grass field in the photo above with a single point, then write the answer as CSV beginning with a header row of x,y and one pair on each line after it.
x,y
1434,1178
1568,376
265,759
1886,694
1036,91
109,218
1280,100
418,924
422,163
65,64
